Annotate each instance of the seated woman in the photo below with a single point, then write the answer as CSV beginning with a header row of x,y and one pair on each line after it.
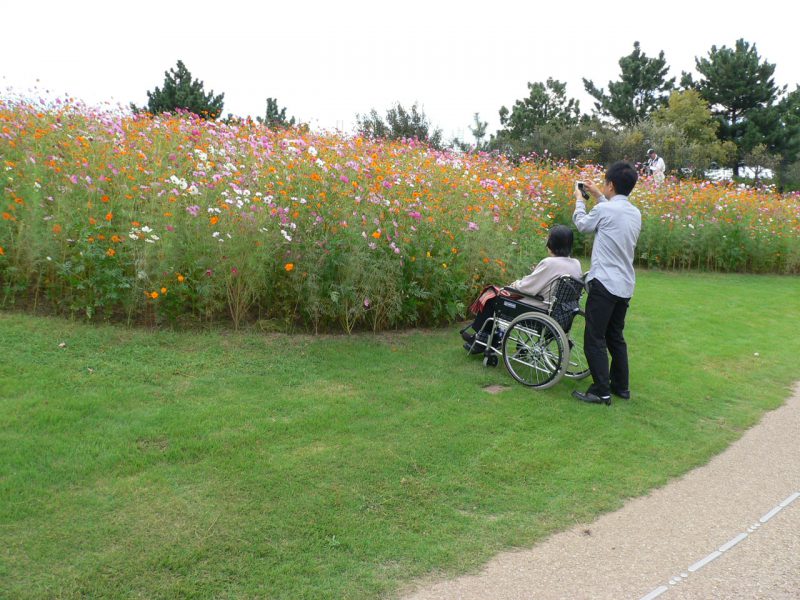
x,y
534,288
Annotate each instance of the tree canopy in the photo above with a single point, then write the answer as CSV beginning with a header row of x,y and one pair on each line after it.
x,y
180,91
641,89
741,92
400,123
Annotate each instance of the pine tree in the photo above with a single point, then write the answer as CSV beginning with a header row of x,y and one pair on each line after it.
x,y
741,93
546,104
181,92
400,123
642,88
275,118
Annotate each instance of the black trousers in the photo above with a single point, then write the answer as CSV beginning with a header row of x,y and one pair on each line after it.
x,y
605,320
481,317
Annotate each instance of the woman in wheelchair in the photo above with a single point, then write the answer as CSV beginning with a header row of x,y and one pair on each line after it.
x,y
534,289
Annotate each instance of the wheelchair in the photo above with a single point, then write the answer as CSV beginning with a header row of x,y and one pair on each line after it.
x,y
539,346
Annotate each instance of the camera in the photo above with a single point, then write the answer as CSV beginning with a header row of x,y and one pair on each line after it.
x,y
582,190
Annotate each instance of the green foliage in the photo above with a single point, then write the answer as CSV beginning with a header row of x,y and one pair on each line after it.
x,y
546,104
275,117
400,123
699,147
478,130
641,89
741,93
784,138
179,91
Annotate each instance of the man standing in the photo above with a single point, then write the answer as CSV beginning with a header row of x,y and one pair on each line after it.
x,y
656,166
616,224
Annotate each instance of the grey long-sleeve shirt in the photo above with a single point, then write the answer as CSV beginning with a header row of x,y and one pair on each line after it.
x,y
616,224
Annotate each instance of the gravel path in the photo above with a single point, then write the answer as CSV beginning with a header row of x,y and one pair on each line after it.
x,y
728,530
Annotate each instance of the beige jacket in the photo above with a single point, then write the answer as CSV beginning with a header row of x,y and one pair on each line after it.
x,y
547,271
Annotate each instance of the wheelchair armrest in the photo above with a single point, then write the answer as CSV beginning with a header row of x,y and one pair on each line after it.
x,y
538,297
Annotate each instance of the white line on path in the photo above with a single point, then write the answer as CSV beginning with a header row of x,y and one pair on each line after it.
x,y
722,549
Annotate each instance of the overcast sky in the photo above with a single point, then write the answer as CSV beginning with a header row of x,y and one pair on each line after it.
x,y
327,61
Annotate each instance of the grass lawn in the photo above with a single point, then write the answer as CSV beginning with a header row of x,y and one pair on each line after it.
x,y
154,464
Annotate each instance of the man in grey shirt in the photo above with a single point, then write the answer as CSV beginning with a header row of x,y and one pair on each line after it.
x,y
616,224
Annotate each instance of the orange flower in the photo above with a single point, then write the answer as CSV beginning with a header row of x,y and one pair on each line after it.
x,y
110,252
289,266
2,252
116,239
376,234
104,198
7,216
214,220
92,221
56,228
135,223
181,278
163,290
109,216
154,295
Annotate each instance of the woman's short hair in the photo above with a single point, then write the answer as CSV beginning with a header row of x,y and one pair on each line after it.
x,y
560,240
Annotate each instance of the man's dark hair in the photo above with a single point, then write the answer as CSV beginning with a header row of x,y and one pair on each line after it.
x,y
623,176
560,240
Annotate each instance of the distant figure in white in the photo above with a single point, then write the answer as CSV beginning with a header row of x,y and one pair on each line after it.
x,y
656,165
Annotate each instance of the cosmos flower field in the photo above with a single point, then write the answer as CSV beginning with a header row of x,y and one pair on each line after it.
x,y
175,220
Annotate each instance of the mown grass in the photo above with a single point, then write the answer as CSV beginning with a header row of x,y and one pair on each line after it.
x,y
155,464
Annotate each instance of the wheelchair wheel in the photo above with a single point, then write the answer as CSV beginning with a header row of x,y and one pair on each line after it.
x,y
577,367
535,350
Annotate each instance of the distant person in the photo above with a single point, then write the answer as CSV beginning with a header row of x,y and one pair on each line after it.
x,y
616,224
656,166
534,287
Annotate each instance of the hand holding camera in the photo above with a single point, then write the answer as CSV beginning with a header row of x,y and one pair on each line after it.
x,y
582,189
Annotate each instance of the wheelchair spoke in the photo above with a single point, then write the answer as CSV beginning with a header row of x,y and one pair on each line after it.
x,y
534,350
